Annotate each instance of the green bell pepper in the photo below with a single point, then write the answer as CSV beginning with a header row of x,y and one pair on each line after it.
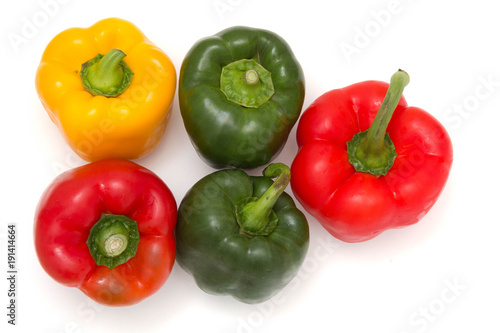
x,y
240,93
241,235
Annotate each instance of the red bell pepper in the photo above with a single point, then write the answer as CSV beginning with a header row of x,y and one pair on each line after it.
x,y
107,228
367,161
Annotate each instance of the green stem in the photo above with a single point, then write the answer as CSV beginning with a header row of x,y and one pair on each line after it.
x,y
255,215
372,151
247,83
251,77
113,240
106,75
375,137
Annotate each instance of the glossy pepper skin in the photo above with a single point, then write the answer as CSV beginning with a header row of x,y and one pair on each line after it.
x,y
222,242
95,123
240,93
354,205
74,207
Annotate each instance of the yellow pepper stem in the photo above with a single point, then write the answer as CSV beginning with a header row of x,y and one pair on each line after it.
x,y
106,75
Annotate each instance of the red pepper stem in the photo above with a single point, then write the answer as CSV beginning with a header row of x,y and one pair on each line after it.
x,y
113,240
255,215
374,141
373,151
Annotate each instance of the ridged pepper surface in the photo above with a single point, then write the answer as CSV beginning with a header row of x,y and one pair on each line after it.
x,y
108,89
240,235
240,93
368,162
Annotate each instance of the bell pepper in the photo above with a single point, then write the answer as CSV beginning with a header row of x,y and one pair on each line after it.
x,y
107,228
368,162
240,93
108,89
240,235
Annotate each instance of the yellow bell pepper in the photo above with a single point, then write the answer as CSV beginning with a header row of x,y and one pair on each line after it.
x,y
108,89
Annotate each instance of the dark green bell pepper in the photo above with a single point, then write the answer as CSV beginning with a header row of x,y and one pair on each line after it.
x,y
240,93
241,235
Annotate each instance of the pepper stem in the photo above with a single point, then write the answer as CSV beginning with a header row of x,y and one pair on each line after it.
x,y
247,83
113,240
255,216
373,151
251,76
115,244
106,75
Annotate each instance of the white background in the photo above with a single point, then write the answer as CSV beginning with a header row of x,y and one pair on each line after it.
x,y
439,275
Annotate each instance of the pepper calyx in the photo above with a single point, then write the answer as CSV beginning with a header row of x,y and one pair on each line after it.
x,y
113,240
373,151
106,75
247,83
255,216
